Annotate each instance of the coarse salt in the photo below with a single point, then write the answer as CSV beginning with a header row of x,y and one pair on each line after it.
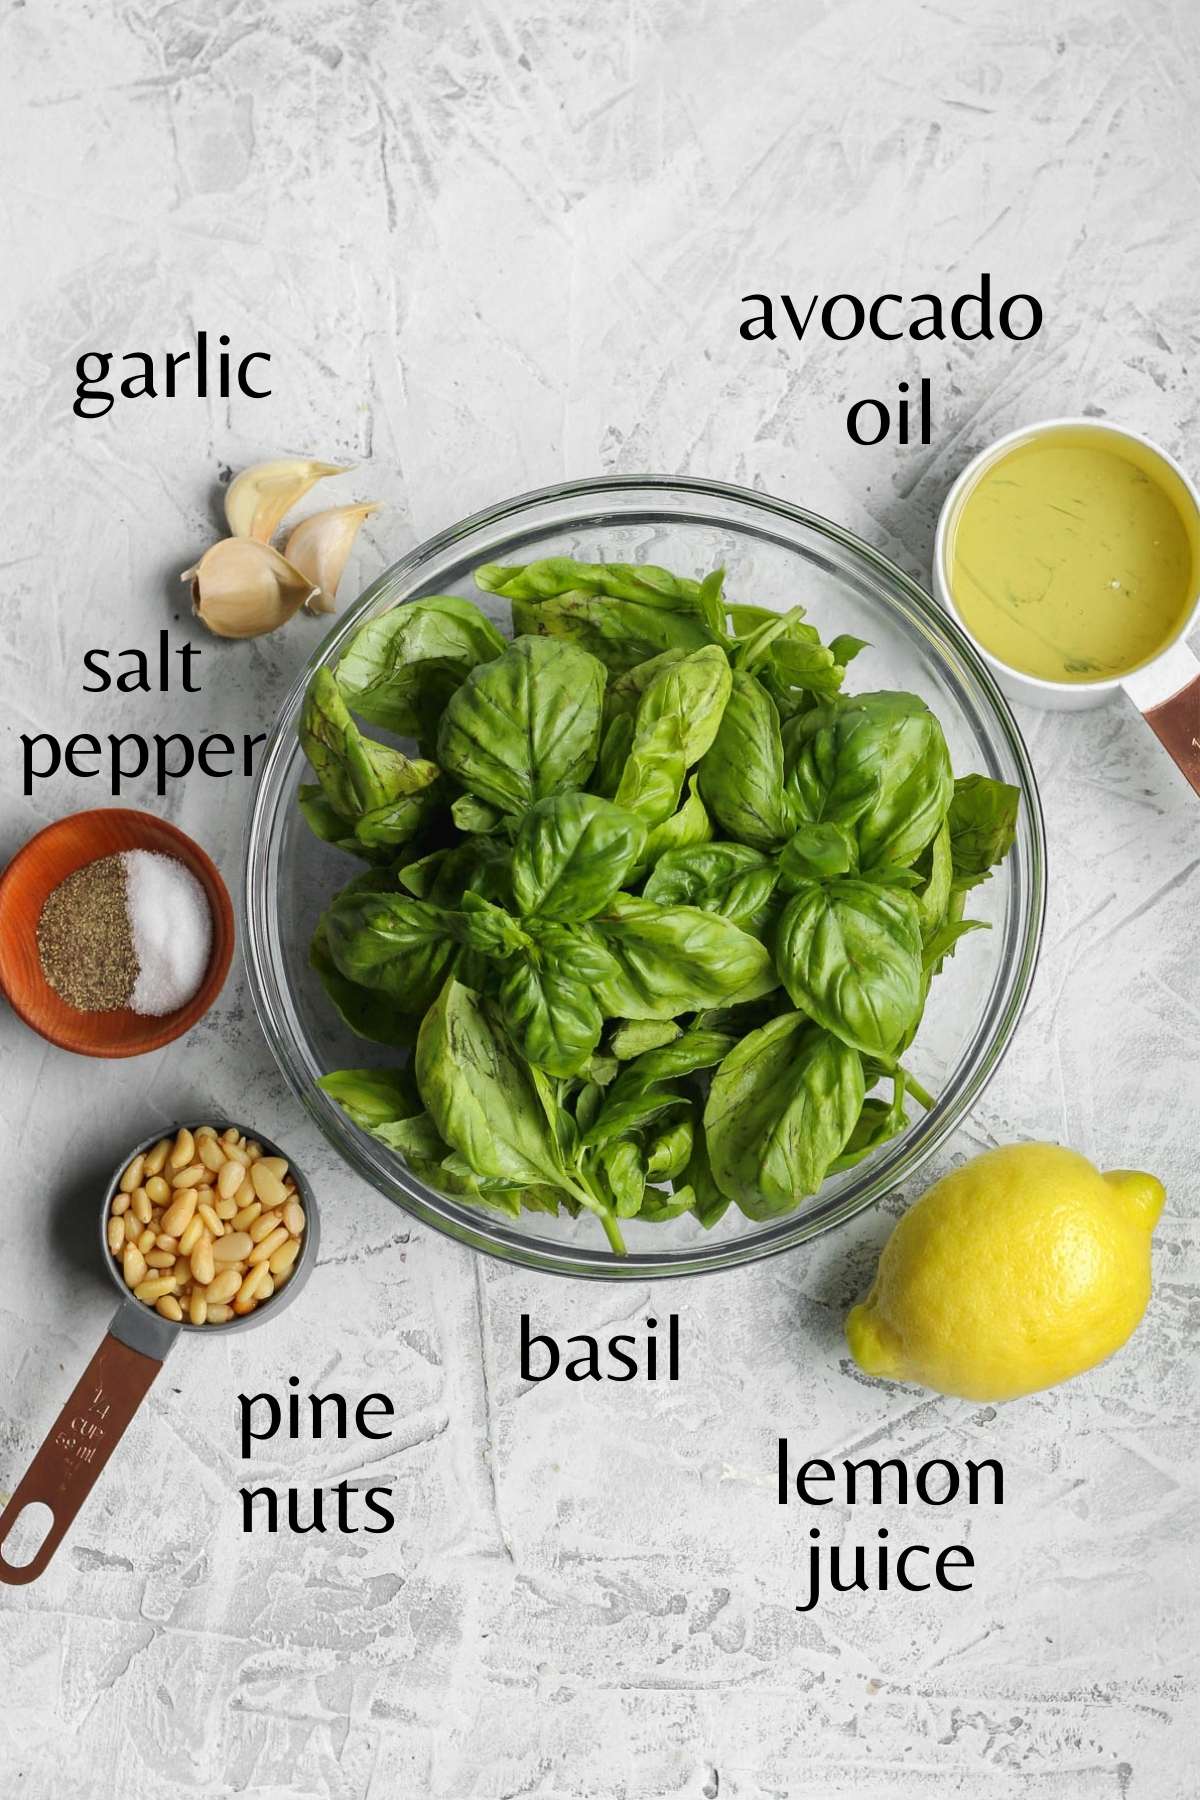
x,y
172,930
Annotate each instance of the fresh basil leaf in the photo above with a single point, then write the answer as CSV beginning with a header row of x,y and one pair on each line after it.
x,y
814,852
937,870
482,1098
365,1010
356,775
487,928
696,1048
479,865
625,1173
849,954
780,1111
473,815
615,744
578,948
741,777
550,1015
878,1123
618,1117
399,670
705,1198
733,880
677,719
623,695
572,854
676,959
877,763
556,575
526,725
373,1097
982,822
690,825
620,633
945,939
668,1150
633,1036
398,822
387,941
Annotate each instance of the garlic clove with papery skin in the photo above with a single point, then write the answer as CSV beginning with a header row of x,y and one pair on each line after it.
x,y
242,588
259,497
320,545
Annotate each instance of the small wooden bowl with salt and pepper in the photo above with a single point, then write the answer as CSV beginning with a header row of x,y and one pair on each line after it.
x,y
116,932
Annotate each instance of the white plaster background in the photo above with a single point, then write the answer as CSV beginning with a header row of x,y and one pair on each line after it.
x,y
487,247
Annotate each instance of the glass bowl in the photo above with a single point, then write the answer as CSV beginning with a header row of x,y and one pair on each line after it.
x,y
774,555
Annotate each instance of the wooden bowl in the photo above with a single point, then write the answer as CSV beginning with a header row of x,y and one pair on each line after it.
x,y
32,876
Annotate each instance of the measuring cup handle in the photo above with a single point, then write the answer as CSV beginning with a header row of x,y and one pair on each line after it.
x,y
1167,694
87,1431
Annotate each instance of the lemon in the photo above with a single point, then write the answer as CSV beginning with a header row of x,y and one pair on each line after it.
x,y
1017,1271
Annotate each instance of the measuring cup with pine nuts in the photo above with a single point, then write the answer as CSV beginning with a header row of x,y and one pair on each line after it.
x,y
204,1229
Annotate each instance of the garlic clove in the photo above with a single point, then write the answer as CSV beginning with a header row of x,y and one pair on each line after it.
x,y
320,545
259,497
242,588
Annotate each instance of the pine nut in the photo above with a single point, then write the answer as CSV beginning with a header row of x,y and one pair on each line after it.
x,y
266,1247
191,1235
230,1179
156,1158
180,1213
281,1260
206,1228
264,1226
155,1289
183,1151
202,1262
267,1184
133,1175
253,1281
234,1247
223,1286
215,1227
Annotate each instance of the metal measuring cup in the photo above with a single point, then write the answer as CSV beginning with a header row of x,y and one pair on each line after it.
x,y
115,1382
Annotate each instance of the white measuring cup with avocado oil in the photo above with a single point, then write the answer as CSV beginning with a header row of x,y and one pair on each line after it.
x,y
116,1381
1069,553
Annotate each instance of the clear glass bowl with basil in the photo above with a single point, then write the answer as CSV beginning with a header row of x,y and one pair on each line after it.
x,y
839,868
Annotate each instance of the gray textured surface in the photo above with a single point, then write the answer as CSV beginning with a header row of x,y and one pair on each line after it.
x,y
489,246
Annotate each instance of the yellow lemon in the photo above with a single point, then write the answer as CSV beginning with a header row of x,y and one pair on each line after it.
x,y
1017,1271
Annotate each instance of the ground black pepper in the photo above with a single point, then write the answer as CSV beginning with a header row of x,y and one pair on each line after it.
x,y
85,941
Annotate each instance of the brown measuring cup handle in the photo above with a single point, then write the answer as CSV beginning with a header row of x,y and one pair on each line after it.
x,y
1176,725
1167,694
86,1433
